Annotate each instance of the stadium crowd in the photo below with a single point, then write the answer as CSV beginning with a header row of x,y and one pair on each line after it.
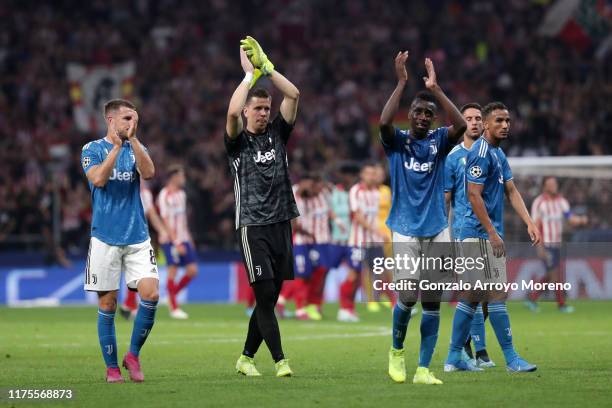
x,y
340,54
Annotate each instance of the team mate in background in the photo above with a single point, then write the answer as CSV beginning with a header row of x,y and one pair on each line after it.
x,y
119,234
418,218
180,249
456,201
265,204
549,211
488,177
129,307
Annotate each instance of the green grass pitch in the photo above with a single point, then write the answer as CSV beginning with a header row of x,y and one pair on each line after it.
x,y
191,363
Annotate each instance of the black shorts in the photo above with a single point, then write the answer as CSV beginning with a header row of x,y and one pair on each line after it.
x,y
267,251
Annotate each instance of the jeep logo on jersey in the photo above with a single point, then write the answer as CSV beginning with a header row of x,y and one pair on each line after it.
x,y
122,175
475,171
419,167
265,157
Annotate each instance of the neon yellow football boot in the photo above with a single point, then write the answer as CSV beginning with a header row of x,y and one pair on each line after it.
x,y
424,376
245,365
283,369
397,365
373,307
313,313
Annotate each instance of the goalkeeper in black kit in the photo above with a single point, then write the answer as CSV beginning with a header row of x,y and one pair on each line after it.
x,y
264,199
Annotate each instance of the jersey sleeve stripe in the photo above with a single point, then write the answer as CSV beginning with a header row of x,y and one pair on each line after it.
x,y
482,152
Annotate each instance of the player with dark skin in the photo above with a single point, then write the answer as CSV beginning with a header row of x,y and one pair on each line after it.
x,y
422,113
428,174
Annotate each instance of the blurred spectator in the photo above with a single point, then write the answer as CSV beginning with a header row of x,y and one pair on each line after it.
x,y
340,54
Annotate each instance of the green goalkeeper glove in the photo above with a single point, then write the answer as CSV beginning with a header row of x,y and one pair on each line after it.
x,y
256,55
256,74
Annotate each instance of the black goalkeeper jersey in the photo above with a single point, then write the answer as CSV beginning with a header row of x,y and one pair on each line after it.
x,y
259,164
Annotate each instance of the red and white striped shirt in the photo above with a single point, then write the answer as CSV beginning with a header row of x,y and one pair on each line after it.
x,y
549,212
314,218
173,210
368,201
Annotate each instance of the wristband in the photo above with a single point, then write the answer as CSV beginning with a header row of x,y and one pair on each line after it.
x,y
248,77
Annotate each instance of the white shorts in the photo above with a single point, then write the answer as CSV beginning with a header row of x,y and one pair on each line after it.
x,y
105,263
422,247
494,270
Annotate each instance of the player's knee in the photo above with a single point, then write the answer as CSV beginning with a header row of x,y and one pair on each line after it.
x,y
265,293
192,270
406,305
431,306
107,304
407,298
151,295
406,301
497,297
148,289
171,271
352,276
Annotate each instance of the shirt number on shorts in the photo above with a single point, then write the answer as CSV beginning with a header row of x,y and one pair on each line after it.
x,y
152,259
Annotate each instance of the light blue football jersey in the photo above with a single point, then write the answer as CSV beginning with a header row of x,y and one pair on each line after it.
x,y
454,183
118,217
486,165
416,167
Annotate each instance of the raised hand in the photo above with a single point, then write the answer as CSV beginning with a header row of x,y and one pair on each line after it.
x,y
257,55
114,136
247,65
133,126
400,66
430,79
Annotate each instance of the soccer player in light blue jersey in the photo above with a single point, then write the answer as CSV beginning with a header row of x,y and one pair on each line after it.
x,y
418,217
119,234
454,191
488,177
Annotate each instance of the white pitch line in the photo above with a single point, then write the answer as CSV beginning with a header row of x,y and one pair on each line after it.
x,y
204,339
343,326
212,338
